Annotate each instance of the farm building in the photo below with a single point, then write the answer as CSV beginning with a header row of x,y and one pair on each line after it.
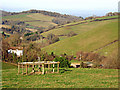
x,y
16,50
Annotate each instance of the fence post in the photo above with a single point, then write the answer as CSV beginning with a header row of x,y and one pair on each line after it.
x,y
43,68
58,68
26,69
48,66
39,68
22,69
33,68
18,68
53,67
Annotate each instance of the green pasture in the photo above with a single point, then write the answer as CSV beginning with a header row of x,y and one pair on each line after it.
x,y
78,29
67,78
96,36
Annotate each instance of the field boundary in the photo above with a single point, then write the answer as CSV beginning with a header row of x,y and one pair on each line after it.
x,y
11,63
105,45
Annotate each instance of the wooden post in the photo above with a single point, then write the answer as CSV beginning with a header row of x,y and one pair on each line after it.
x,y
26,69
18,68
43,68
49,67
58,68
53,68
22,69
38,68
33,68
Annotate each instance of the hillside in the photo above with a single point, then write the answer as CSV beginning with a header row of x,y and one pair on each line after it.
x,y
4,13
91,34
108,50
35,20
40,19
96,35
80,27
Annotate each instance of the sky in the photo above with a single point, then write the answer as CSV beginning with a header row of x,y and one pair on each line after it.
x,y
73,7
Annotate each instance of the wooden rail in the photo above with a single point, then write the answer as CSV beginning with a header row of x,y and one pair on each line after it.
x,y
43,63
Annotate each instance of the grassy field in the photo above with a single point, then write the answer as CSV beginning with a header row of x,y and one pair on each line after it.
x,y
41,24
96,36
38,16
108,17
33,18
5,26
78,29
20,17
29,17
63,37
106,51
45,20
67,78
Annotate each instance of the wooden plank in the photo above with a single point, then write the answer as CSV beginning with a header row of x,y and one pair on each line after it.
x,y
37,63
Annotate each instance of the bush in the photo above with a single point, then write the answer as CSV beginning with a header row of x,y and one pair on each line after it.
x,y
27,34
89,56
63,62
68,57
70,34
83,65
111,62
52,38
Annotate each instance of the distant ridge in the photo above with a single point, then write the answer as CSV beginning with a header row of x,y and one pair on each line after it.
x,y
59,19
4,13
49,13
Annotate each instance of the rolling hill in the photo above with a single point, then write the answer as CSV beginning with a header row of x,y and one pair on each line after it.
x,y
78,27
40,18
33,19
96,35
91,34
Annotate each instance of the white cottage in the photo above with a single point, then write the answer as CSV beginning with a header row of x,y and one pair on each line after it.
x,y
17,50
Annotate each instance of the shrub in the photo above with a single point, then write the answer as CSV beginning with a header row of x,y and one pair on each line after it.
x,y
63,62
27,34
68,57
52,38
111,62
70,34
85,56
